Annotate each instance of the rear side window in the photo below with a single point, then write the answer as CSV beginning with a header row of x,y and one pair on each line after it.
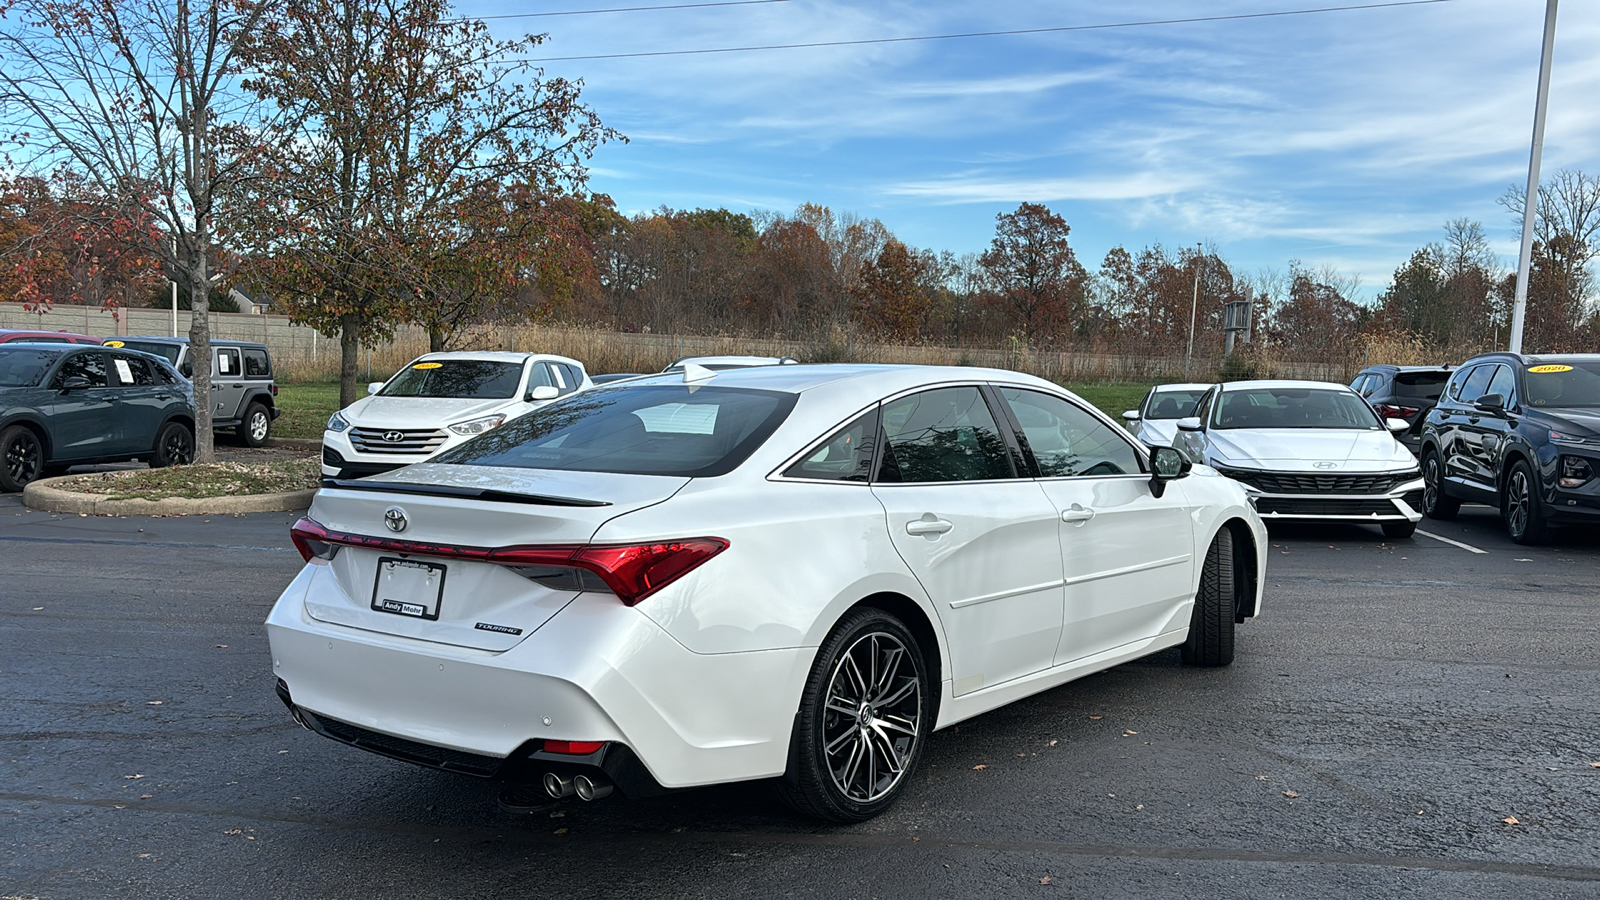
x,y
845,456
132,371
228,363
82,365
658,430
256,364
947,434
24,368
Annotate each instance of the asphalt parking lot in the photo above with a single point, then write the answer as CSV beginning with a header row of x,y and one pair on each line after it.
x,y
1413,717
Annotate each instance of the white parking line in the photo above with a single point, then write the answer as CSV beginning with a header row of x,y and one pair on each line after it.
x,y
1467,547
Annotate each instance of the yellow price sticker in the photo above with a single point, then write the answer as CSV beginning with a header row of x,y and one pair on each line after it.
x,y
428,366
1543,369
113,343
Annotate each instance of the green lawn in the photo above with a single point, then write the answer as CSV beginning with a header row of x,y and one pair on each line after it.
x,y
306,408
1113,399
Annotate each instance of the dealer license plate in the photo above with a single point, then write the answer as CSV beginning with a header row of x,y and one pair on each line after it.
x,y
408,587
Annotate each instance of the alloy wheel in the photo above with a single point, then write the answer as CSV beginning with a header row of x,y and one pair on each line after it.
x,y
179,449
258,427
23,459
1518,496
872,717
1430,483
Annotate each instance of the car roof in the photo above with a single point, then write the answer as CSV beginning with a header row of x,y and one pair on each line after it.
x,y
162,339
873,379
1533,359
497,356
1183,386
10,332
734,361
1386,367
1271,383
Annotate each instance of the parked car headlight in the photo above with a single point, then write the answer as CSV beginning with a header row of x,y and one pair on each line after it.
x,y
478,426
337,423
1565,438
1575,470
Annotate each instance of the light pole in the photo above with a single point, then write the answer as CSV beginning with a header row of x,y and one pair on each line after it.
x,y
174,286
1530,200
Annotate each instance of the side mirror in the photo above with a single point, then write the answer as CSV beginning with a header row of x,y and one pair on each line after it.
x,y
1192,423
1131,415
541,393
1491,403
1166,464
1397,426
186,369
75,383
374,387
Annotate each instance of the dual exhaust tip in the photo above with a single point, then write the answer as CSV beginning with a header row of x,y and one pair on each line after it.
x,y
585,786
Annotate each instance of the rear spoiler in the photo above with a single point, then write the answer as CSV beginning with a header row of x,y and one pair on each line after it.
x,y
438,490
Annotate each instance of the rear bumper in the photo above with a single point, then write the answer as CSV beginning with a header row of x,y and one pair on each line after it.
x,y
596,671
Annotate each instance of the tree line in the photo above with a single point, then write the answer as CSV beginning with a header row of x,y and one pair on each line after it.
x,y
371,164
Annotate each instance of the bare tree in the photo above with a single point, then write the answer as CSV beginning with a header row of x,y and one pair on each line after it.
x,y
138,98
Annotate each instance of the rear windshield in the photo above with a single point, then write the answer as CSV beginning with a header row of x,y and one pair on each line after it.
x,y
1291,407
657,430
473,379
1564,384
1420,385
25,368
1174,404
168,352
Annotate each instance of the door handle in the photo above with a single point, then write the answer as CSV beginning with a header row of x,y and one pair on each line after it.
x,y
928,526
1077,515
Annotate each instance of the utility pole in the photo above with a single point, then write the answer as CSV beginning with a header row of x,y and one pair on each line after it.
x,y
1194,305
1530,200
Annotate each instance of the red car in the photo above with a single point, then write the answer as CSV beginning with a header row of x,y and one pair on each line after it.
x,y
13,335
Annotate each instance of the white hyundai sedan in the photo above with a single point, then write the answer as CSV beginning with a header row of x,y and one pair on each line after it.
x,y
786,572
1308,451
439,400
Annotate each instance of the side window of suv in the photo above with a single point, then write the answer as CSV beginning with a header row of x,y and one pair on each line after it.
x,y
90,365
1476,382
1504,383
132,371
228,363
256,364
946,434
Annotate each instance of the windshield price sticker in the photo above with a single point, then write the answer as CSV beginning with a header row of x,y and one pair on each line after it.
x,y
408,587
429,365
114,343
1543,369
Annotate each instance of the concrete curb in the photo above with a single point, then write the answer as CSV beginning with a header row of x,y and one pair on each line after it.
x,y
45,496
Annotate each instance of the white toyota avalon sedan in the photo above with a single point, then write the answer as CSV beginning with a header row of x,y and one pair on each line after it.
x,y
1308,451
785,572
439,400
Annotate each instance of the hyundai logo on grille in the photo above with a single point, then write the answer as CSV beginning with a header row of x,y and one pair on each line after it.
x,y
394,518
1320,465
394,437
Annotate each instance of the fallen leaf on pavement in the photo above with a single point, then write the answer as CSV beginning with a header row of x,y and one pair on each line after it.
x,y
234,831
1511,820
1045,880
1126,732
152,703
560,831
1291,794
146,796
1053,743
1096,718
979,767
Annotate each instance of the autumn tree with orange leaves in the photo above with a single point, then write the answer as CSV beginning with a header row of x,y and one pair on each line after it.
x,y
386,203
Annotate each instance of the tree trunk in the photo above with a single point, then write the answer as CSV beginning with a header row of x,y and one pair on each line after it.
x,y
349,357
205,450
435,339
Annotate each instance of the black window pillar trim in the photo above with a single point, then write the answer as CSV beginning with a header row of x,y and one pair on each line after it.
x,y
1023,463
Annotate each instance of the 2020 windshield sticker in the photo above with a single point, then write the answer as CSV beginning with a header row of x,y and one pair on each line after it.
x,y
1544,369
428,365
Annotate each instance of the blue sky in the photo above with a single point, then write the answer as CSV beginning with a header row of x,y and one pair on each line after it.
x,y
1344,139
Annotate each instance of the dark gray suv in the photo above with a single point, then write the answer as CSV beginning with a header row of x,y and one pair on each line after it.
x,y
243,392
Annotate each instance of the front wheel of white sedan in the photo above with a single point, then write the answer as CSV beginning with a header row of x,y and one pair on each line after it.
x,y
1210,641
863,719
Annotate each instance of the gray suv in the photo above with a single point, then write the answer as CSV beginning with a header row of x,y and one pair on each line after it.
x,y
243,394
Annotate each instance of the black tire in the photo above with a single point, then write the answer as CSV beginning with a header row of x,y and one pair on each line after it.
x,y
1210,641
1436,504
21,458
1398,530
174,446
839,786
1522,507
256,426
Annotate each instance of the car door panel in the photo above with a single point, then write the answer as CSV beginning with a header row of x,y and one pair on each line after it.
x,y
85,422
981,540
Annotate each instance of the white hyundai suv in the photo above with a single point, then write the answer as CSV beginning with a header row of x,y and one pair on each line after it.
x,y
439,400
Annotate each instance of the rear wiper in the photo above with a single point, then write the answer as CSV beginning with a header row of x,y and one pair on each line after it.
x,y
439,490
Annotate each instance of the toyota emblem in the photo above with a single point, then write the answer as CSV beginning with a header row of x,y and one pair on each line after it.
x,y
1326,465
393,437
394,518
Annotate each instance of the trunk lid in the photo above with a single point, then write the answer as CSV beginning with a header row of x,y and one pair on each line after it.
x,y
410,592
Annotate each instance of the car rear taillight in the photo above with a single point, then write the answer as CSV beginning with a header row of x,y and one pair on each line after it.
x,y
311,539
575,748
1393,411
632,571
